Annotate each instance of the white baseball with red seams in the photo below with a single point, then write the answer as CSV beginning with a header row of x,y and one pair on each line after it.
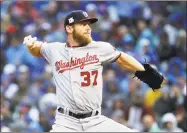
x,y
77,74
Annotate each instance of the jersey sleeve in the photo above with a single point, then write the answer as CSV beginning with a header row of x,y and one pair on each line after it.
x,y
109,53
46,51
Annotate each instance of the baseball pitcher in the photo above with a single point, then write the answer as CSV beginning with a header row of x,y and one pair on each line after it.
x,y
77,67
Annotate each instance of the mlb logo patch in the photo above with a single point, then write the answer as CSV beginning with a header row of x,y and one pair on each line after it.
x,y
71,20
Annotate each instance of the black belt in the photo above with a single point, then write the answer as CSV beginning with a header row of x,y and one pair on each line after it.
x,y
78,115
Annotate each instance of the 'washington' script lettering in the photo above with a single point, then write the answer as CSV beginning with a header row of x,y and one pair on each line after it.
x,y
75,63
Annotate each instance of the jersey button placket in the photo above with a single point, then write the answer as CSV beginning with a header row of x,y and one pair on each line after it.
x,y
73,72
70,50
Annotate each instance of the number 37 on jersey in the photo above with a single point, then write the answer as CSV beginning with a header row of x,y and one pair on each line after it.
x,y
88,76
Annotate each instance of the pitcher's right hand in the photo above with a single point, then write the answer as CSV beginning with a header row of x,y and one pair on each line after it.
x,y
29,41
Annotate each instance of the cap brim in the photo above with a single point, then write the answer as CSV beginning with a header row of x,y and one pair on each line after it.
x,y
91,20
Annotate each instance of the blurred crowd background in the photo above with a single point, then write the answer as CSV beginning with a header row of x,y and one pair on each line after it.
x,y
151,31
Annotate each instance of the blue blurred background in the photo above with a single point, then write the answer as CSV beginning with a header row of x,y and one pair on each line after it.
x,y
155,31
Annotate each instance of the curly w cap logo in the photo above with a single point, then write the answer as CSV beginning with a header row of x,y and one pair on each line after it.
x,y
71,20
85,14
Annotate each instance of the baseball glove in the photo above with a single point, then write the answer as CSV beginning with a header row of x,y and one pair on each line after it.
x,y
150,76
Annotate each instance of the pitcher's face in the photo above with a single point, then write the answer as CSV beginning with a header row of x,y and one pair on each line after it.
x,y
82,33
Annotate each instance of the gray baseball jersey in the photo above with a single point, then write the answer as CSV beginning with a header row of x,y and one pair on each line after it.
x,y
77,73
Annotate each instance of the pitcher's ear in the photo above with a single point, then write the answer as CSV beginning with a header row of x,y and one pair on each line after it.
x,y
69,29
